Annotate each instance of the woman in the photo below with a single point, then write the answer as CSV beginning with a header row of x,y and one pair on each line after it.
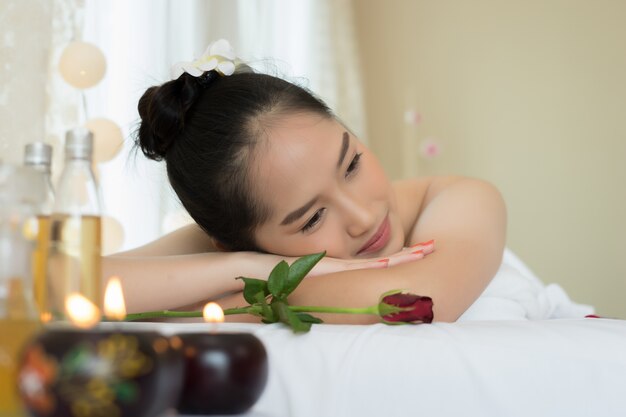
x,y
268,173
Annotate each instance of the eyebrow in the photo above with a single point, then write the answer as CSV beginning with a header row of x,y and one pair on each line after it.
x,y
296,214
344,148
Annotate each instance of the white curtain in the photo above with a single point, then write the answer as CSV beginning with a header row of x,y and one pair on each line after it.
x,y
310,42
307,41
35,103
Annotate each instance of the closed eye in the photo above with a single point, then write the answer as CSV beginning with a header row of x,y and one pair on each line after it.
x,y
314,220
354,165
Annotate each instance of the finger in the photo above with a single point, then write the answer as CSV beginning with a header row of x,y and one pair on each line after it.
x,y
328,266
379,264
427,247
406,257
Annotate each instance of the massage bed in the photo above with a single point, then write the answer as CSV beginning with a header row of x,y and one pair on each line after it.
x,y
523,349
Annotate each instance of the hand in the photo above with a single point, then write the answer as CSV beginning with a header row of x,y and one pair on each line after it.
x,y
415,252
257,265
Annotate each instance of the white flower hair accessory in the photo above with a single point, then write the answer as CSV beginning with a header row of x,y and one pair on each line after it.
x,y
219,56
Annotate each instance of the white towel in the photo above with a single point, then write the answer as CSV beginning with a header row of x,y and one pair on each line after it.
x,y
515,293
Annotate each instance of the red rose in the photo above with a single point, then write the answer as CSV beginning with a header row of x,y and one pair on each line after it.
x,y
397,307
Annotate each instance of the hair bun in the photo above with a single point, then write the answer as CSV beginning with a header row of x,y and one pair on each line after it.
x,y
162,110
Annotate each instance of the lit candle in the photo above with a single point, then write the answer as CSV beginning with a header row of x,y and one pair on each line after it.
x,y
81,312
114,305
90,369
213,313
225,373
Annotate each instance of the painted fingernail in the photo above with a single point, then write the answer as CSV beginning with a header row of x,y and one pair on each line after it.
x,y
430,242
418,252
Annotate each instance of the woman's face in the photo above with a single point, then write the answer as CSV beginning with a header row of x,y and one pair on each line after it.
x,y
326,191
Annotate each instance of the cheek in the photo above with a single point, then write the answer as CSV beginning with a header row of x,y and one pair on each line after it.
x,y
375,180
328,238
301,245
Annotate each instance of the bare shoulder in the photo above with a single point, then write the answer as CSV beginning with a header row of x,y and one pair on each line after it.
x,y
413,194
467,219
457,195
187,240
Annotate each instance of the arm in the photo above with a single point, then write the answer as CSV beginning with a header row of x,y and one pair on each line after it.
x,y
466,218
185,268
186,240
180,268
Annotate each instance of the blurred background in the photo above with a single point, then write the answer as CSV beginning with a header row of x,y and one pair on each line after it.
x,y
529,95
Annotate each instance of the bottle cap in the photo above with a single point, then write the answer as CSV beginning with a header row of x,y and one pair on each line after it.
x,y
38,154
79,143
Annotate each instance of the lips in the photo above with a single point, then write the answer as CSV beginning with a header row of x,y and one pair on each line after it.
x,y
379,240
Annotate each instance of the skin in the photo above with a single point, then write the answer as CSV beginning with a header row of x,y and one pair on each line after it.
x,y
298,160
353,197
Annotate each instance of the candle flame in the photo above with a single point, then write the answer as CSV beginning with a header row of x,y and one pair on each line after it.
x,y
114,306
213,313
81,312
45,317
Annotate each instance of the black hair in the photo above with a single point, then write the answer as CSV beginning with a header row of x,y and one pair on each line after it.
x,y
206,128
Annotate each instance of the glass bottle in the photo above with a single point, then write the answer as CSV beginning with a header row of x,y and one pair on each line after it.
x,y
21,191
75,232
38,155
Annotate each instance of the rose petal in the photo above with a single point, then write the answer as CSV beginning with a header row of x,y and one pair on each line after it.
x,y
420,309
401,299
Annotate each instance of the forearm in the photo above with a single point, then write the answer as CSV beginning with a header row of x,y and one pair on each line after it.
x,y
169,282
453,276
362,288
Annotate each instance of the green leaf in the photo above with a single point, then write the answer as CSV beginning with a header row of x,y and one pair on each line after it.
x,y
276,307
298,325
278,278
386,309
299,269
289,317
252,287
266,312
307,318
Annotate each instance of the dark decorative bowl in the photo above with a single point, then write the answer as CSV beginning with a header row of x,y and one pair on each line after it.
x,y
225,373
95,373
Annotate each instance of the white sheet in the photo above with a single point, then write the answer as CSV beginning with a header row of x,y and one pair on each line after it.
x,y
516,293
507,365
566,367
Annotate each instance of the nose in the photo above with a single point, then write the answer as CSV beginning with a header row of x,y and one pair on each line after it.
x,y
358,216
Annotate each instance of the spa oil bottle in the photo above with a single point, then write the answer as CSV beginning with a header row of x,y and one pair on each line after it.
x,y
75,230
21,192
38,155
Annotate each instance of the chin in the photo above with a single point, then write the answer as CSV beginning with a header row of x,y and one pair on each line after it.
x,y
396,243
392,247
